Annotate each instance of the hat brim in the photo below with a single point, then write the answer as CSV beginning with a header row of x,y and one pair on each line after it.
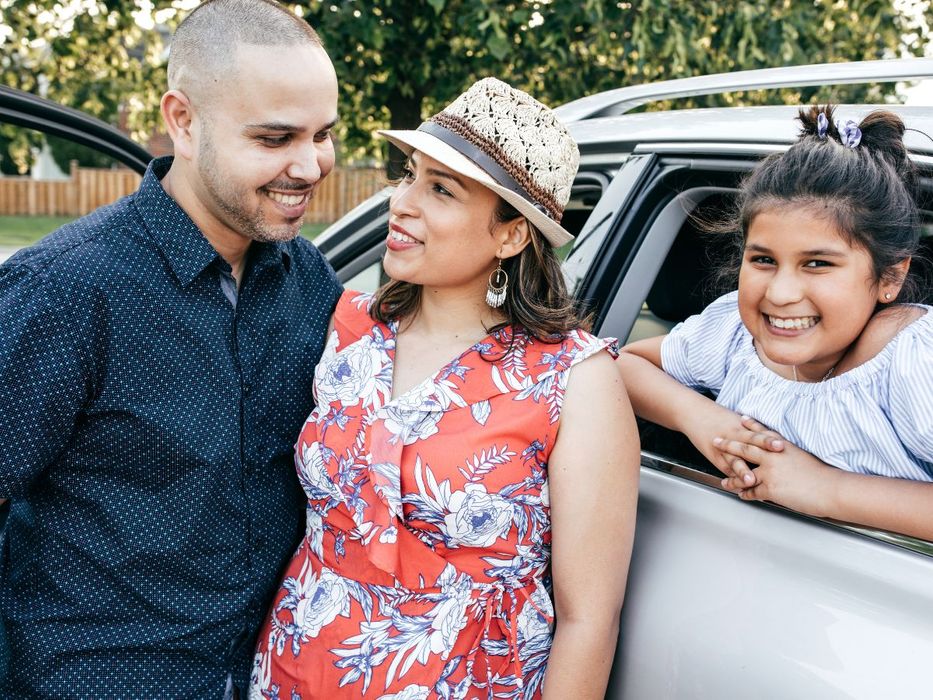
x,y
409,141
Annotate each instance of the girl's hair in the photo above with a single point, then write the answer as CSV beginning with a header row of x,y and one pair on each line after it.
x,y
536,298
867,190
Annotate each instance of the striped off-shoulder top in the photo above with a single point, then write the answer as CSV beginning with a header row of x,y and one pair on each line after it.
x,y
876,418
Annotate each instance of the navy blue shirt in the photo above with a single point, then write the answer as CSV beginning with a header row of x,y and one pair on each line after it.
x,y
146,433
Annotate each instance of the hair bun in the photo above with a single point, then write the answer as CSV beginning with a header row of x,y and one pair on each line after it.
x,y
883,134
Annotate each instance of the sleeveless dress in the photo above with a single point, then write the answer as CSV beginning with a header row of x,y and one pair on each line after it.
x,y
424,571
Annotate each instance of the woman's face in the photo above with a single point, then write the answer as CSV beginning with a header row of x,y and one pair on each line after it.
x,y
442,230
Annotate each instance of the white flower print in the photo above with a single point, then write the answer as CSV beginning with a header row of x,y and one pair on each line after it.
x,y
314,531
389,535
480,411
351,376
415,415
411,692
322,601
477,518
533,626
449,616
312,473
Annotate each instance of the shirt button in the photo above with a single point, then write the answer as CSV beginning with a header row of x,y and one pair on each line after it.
x,y
247,387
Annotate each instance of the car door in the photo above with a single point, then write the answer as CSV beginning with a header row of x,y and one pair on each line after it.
x,y
728,599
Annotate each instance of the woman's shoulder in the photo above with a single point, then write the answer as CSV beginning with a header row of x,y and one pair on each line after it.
x,y
351,317
573,346
536,360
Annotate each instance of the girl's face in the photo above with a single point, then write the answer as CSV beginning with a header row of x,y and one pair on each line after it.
x,y
805,294
439,228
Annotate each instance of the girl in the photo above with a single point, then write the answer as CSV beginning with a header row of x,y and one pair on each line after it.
x,y
466,428
818,343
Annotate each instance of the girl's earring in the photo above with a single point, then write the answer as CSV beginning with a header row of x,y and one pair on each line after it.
x,y
495,288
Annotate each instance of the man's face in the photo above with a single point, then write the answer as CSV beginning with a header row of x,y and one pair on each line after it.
x,y
263,142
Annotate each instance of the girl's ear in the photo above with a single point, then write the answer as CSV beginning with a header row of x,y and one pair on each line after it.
x,y
514,236
892,281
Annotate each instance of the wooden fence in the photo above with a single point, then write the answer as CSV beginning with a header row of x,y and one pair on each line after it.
x,y
88,188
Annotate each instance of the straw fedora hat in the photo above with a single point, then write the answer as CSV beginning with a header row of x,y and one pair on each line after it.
x,y
508,141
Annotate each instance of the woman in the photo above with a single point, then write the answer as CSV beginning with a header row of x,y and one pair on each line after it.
x,y
446,496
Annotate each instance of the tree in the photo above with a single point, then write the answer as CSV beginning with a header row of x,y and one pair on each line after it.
x,y
92,55
399,60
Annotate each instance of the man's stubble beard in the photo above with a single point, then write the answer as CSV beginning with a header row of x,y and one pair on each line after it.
x,y
227,199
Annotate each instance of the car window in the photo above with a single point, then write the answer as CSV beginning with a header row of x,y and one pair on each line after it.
x,y
678,266
46,181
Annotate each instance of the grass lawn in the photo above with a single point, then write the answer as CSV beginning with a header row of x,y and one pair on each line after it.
x,y
18,231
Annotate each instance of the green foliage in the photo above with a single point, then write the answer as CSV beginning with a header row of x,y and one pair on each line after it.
x,y
64,151
400,60
91,55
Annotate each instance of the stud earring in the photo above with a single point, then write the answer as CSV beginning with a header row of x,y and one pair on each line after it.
x,y
495,288
887,296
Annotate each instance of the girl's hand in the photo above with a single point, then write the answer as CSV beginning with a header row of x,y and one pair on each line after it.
x,y
791,478
739,475
712,427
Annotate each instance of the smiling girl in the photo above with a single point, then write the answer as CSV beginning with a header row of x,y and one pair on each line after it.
x,y
819,343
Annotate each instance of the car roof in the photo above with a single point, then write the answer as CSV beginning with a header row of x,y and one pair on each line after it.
x,y
754,126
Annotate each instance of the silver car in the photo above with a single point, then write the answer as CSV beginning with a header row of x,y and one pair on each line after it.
x,y
726,599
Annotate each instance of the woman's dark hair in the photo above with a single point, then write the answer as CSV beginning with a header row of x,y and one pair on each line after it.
x,y
867,190
536,298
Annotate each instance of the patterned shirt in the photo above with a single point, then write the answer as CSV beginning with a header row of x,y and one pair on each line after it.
x,y
147,431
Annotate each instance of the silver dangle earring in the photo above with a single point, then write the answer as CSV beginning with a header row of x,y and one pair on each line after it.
x,y
495,288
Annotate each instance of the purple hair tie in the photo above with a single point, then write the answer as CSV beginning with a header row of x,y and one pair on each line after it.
x,y
849,133
822,125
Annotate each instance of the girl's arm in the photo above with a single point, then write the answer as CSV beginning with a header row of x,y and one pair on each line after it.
x,y
798,480
658,397
593,482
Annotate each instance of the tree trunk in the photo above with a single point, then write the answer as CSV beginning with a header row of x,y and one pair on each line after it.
x,y
405,113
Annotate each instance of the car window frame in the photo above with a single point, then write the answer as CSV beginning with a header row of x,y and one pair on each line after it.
x,y
636,263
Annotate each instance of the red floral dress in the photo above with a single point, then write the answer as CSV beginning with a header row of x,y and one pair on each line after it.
x,y
424,569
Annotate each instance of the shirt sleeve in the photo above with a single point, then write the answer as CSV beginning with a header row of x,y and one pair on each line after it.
x,y
44,373
910,389
699,351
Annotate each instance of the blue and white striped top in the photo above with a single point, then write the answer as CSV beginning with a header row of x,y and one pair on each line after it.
x,y
876,418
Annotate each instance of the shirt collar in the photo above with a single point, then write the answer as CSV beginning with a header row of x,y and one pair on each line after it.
x,y
185,248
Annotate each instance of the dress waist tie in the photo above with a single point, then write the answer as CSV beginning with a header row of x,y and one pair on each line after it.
x,y
490,597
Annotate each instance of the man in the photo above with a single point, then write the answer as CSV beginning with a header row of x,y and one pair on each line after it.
x,y
156,360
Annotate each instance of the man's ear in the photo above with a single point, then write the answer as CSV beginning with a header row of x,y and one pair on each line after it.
x,y
515,235
178,115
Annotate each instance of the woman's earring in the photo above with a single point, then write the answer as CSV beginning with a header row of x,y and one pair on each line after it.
x,y
495,289
887,296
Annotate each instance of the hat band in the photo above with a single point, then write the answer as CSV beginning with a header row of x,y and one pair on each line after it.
x,y
483,160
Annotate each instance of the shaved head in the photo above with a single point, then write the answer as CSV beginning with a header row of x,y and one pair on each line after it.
x,y
203,49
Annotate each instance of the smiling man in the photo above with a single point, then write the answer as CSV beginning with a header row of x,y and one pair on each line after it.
x,y
156,360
